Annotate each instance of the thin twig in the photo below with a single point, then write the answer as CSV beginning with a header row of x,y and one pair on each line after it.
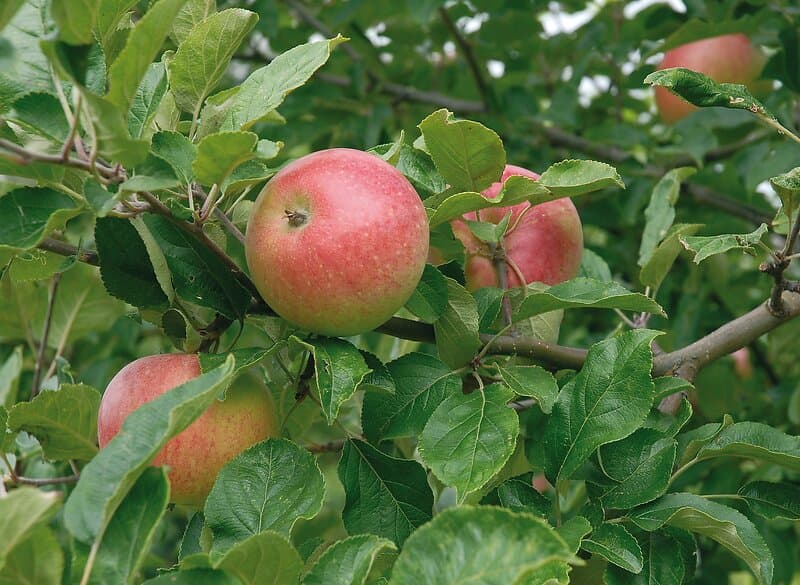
x,y
48,319
65,249
469,55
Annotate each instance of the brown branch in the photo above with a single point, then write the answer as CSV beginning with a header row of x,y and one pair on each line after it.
x,y
41,481
707,196
23,156
65,249
731,336
469,55
329,447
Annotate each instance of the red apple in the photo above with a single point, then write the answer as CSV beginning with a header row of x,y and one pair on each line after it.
x,y
337,241
196,455
726,59
545,244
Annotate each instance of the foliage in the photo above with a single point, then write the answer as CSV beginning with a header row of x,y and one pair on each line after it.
x,y
459,441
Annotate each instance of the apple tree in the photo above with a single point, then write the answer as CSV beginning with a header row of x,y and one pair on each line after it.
x,y
632,420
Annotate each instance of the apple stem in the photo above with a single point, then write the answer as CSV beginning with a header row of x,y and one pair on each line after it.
x,y
296,217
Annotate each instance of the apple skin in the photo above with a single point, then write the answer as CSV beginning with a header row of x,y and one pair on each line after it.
x,y
726,59
546,245
336,242
195,455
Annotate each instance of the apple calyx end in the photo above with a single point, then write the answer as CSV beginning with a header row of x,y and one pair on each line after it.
x,y
296,217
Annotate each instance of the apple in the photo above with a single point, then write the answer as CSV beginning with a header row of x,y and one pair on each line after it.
x,y
336,241
545,241
726,59
195,455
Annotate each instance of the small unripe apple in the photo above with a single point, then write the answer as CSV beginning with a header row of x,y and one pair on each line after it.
x,y
545,241
725,59
336,242
196,455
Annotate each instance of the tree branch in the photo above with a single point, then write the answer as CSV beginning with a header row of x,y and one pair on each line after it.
x,y
48,319
469,55
65,249
23,156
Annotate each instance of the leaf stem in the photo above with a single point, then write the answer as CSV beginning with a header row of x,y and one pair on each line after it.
x,y
48,319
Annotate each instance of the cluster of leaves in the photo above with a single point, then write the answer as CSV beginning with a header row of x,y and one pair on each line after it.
x,y
119,149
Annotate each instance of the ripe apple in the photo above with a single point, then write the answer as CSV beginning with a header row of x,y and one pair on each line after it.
x,y
726,59
337,241
545,243
196,455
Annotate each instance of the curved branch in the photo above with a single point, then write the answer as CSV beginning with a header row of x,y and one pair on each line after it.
x,y
469,55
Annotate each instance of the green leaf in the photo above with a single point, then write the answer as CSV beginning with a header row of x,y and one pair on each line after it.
x,y
266,88
7,11
754,440
664,255
10,371
516,189
532,381
178,151
660,212
41,113
418,168
468,155
262,558
110,123
518,495
640,467
21,511
338,370
570,178
489,232
702,91
489,301
30,70
82,307
469,438
190,15
583,293
143,45
663,563
192,540
64,421
204,55
429,299
75,20
129,534
108,18
607,401
125,266
384,496
573,531
477,545
218,154
195,577
720,523
705,246
772,500
36,264
29,214
37,560
348,562
108,477
691,442
267,487
787,186
146,100
456,329
615,544
198,275
421,383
